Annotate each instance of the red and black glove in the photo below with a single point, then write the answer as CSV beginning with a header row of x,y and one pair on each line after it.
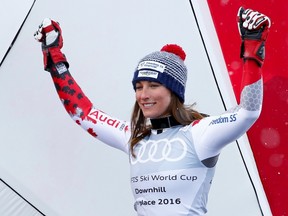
x,y
254,28
49,34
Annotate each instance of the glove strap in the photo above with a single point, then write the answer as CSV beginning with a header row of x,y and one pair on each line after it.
x,y
53,55
253,49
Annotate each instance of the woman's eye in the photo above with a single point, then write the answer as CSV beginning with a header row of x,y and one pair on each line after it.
x,y
138,87
154,85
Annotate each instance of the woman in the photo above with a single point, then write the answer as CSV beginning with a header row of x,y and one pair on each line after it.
x,y
173,149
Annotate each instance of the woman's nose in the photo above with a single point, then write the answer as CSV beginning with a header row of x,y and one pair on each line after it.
x,y
144,93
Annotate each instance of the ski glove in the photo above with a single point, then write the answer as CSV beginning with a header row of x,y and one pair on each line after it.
x,y
253,28
50,35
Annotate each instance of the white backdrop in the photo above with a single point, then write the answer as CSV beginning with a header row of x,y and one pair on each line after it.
x,y
50,160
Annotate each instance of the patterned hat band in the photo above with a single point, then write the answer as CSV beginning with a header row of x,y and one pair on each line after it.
x,y
166,68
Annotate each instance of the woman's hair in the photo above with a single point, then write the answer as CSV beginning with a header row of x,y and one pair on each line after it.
x,y
183,114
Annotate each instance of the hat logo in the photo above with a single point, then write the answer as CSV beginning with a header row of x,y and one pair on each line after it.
x,y
151,65
148,73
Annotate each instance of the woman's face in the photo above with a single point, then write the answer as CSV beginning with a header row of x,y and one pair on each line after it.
x,y
153,99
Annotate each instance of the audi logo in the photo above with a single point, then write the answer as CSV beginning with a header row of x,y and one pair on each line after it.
x,y
160,150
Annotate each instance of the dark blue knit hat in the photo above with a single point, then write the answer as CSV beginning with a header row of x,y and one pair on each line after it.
x,y
165,67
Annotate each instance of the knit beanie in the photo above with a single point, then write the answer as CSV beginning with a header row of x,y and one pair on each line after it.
x,y
166,67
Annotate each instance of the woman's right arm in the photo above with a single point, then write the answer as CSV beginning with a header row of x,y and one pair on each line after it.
x,y
111,131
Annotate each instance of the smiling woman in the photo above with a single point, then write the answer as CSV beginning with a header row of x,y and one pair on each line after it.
x,y
160,81
173,149
153,99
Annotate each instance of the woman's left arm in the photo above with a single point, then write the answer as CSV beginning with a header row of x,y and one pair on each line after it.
x,y
213,133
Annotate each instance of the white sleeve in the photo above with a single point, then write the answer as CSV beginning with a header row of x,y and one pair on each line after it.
x,y
109,130
211,134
